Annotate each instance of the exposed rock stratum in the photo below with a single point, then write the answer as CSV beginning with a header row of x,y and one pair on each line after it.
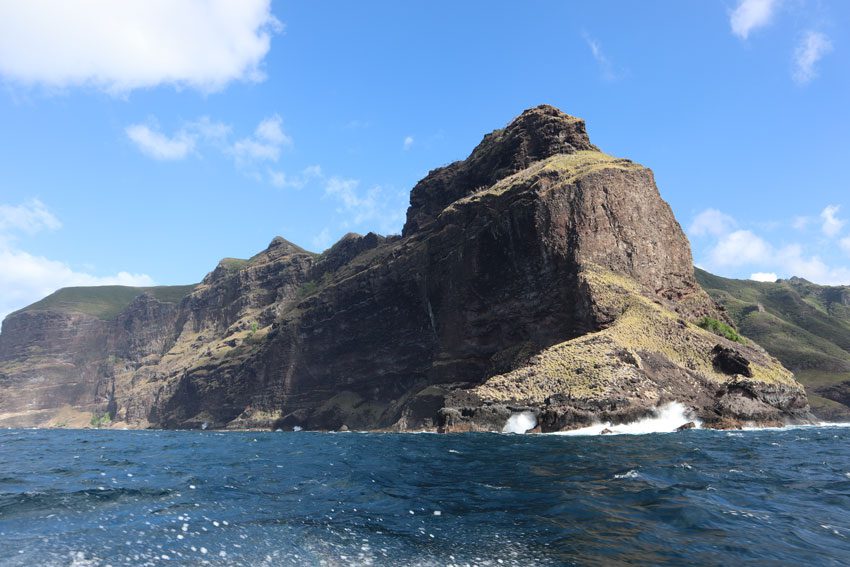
x,y
538,275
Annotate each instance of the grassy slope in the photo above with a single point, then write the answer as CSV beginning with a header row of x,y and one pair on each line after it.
x,y
592,365
105,302
806,326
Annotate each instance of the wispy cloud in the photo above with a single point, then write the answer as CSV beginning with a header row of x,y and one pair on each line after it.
x,y
606,68
157,145
831,225
132,44
811,49
408,143
284,181
750,15
322,240
376,205
25,277
30,217
264,145
801,222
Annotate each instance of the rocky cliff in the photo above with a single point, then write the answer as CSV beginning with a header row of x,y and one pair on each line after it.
x,y
537,275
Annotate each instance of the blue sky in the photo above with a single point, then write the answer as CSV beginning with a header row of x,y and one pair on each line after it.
x,y
143,141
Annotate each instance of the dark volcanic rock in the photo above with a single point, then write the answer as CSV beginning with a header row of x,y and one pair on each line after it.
x,y
535,135
730,361
538,275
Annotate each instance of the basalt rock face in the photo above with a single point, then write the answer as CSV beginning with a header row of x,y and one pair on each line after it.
x,y
537,275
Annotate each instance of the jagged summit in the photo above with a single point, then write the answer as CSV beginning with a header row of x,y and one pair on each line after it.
x,y
534,135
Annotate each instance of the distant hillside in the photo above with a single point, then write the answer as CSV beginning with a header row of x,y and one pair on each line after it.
x,y
804,325
105,302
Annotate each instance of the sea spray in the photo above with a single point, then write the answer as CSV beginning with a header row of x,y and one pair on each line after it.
x,y
520,422
666,419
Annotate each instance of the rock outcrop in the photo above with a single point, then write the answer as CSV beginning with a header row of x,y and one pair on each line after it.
x,y
538,275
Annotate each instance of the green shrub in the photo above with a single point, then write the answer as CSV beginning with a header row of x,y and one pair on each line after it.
x,y
720,328
102,420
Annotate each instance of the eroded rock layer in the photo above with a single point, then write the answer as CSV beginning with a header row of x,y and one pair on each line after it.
x,y
537,275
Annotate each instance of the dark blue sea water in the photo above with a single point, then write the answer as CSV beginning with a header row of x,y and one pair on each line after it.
x,y
154,497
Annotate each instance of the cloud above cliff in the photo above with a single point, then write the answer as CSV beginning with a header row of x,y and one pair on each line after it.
x,y
248,152
722,246
26,277
606,67
711,222
121,46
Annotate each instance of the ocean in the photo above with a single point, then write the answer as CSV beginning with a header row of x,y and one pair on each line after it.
x,y
105,497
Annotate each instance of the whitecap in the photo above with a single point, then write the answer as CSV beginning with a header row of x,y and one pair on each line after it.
x,y
630,474
666,419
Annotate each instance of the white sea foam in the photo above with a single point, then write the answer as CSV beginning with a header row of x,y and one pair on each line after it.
x,y
630,474
667,418
520,422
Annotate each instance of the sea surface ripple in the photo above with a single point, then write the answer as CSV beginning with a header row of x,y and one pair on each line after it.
x,y
772,497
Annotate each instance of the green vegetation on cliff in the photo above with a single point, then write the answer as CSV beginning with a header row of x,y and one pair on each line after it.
x,y
105,302
804,325
720,328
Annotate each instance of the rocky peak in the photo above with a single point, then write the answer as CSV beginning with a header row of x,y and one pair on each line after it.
x,y
280,246
536,134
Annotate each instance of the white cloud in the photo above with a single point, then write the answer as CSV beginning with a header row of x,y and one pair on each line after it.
x,y
280,179
266,143
159,146
739,248
744,248
379,205
31,217
812,268
605,65
346,191
832,225
844,243
131,44
408,142
764,277
25,278
750,15
711,222
270,130
812,47
801,222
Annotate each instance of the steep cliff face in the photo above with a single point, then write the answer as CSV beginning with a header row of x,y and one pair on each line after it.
x,y
539,274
